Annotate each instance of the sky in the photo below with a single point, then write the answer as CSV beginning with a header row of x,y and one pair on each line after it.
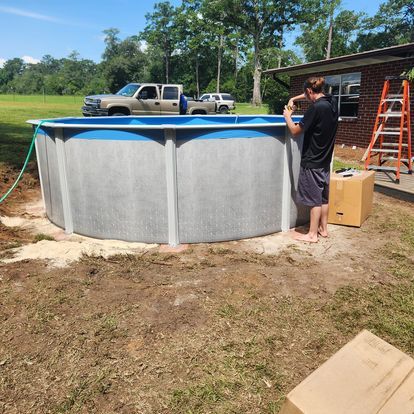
x,y
31,29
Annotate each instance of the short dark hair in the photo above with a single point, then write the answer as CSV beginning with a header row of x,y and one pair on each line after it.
x,y
315,83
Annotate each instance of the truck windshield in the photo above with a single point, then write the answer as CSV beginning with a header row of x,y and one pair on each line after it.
x,y
129,89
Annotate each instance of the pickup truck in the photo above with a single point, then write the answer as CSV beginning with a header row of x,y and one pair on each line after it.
x,y
144,99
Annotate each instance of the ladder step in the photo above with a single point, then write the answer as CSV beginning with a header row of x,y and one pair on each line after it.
x,y
393,144
381,168
392,114
394,159
395,95
392,100
391,151
387,133
394,129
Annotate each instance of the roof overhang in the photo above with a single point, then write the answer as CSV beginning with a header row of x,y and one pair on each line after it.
x,y
371,57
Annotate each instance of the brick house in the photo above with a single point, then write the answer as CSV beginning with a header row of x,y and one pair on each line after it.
x,y
357,81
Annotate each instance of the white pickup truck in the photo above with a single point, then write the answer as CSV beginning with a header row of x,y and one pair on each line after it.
x,y
144,99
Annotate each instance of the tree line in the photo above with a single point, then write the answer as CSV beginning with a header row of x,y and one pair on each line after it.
x,y
217,45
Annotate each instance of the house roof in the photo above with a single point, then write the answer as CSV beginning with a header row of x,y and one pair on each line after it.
x,y
371,57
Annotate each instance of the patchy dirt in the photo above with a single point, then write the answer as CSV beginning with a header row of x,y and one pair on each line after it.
x,y
216,328
349,154
27,190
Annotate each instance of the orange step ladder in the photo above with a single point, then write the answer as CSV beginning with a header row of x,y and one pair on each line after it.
x,y
392,123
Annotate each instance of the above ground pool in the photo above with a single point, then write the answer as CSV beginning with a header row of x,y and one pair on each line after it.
x,y
170,179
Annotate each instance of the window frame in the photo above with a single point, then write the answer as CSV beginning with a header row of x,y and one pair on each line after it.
x,y
340,94
168,88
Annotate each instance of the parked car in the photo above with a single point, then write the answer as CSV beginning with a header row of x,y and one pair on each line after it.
x,y
144,99
225,102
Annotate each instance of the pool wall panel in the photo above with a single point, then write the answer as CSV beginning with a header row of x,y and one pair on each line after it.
x,y
244,200
118,191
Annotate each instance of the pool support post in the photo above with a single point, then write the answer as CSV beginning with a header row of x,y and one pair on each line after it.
x,y
172,185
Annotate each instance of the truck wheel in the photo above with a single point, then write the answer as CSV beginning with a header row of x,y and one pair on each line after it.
x,y
118,114
224,110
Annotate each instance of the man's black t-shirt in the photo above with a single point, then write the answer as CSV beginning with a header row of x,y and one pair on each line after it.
x,y
319,124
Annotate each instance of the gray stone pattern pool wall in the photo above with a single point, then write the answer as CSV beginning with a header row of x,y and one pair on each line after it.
x,y
176,191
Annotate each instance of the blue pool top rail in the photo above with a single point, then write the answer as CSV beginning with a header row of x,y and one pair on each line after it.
x,y
167,122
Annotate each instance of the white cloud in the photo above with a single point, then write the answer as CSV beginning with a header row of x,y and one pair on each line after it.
x,y
2,62
26,13
44,17
29,59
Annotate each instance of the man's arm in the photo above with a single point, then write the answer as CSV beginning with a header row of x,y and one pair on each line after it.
x,y
295,129
296,98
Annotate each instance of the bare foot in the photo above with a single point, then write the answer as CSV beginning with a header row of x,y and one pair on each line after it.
x,y
322,233
306,238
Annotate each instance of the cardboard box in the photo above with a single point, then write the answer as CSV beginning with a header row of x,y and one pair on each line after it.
x,y
366,376
350,198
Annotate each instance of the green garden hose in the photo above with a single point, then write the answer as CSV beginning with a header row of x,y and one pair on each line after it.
x,y
25,161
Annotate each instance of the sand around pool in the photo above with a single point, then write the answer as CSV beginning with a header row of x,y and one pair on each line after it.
x,y
63,249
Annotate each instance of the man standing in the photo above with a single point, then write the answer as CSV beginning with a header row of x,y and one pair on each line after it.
x,y
183,104
319,125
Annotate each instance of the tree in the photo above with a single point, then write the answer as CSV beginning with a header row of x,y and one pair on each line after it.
x,y
123,61
192,36
263,22
160,31
111,43
393,24
214,14
76,73
274,94
11,69
329,35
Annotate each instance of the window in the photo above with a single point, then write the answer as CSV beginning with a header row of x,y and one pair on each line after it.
x,y
216,97
170,93
129,90
346,90
148,92
227,97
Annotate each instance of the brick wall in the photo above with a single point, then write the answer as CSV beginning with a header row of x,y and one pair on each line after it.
x,y
358,131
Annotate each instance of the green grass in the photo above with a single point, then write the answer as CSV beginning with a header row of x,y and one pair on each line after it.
x,y
248,109
41,236
387,310
340,164
16,134
42,99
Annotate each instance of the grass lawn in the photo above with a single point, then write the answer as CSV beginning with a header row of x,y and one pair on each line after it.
x,y
15,134
248,109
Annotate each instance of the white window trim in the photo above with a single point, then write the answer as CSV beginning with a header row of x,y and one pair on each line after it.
x,y
340,94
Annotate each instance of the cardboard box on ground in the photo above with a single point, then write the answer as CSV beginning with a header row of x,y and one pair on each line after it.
x,y
366,376
350,198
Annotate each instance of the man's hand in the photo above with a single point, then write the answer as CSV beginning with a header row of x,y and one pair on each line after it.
x,y
287,112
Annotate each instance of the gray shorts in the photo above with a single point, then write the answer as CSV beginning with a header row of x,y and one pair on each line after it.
x,y
313,186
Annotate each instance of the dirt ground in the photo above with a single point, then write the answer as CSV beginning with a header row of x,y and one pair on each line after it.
x,y
217,328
